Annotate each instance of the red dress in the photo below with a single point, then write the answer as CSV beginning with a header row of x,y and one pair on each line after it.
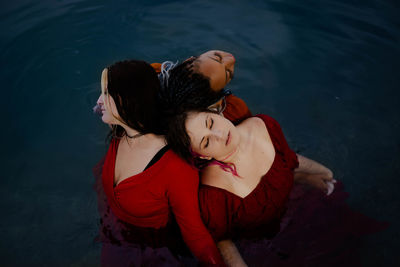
x,y
229,216
153,199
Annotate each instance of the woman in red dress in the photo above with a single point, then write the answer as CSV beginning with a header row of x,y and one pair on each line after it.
x,y
249,175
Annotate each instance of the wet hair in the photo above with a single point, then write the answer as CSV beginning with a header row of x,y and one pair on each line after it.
x,y
186,89
134,86
179,141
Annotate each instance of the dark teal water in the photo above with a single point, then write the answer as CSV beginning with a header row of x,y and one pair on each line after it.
x,y
327,70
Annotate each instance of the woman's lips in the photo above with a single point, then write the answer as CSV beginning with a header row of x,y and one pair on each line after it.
x,y
97,109
228,139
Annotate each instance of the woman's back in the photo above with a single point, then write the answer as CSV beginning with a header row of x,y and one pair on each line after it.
x,y
135,154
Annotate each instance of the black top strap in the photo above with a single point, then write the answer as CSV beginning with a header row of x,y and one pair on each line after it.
x,y
157,156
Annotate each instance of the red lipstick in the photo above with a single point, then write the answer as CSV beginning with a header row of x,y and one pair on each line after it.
x,y
228,139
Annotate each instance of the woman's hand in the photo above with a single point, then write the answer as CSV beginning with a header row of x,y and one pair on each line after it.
x,y
315,174
324,182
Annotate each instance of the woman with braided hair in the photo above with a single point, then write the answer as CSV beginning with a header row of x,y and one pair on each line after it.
x,y
199,82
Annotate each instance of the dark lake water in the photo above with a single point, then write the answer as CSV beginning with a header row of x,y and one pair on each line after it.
x,y
328,71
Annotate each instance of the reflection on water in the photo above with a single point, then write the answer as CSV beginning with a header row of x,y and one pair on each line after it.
x,y
327,70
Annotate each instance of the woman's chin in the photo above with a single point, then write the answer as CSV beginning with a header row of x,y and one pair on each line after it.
x,y
105,120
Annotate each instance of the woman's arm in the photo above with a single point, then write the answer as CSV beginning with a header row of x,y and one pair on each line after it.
x,y
315,174
310,166
230,253
183,200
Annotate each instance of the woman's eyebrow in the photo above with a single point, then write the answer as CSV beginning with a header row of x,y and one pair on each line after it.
x,y
214,59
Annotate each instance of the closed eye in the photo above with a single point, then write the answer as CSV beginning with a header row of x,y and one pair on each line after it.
x,y
207,142
219,56
230,74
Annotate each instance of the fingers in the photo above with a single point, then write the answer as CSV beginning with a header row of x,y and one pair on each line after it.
x,y
330,188
322,182
327,185
322,185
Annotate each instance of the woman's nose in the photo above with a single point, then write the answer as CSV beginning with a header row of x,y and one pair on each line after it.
x,y
229,59
217,134
100,100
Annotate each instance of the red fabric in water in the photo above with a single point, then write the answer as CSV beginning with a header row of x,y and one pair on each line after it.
x,y
316,230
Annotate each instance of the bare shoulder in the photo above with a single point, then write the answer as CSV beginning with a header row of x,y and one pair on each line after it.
x,y
254,124
215,176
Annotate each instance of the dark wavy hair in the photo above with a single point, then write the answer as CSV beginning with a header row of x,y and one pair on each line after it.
x,y
186,89
134,86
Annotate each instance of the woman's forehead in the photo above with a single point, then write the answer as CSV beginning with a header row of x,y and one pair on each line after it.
x,y
194,118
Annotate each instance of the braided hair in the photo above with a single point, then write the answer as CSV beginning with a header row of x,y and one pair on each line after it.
x,y
185,89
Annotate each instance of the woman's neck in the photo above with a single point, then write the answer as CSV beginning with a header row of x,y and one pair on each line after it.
x,y
236,155
135,137
131,133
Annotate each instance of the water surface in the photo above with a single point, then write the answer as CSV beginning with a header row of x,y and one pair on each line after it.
x,y
328,71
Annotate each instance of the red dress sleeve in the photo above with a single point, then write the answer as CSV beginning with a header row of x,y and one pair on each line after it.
x,y
183,198
216,211
236,109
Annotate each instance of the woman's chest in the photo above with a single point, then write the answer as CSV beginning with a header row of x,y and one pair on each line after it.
x,y
131,161
255,164
142,200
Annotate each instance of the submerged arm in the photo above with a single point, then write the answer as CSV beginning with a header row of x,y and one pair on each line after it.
x,y
230,253
310,166
183,199
315,174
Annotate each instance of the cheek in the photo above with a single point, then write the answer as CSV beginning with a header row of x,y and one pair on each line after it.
x,y
197,152
106,117
112,110
217,83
